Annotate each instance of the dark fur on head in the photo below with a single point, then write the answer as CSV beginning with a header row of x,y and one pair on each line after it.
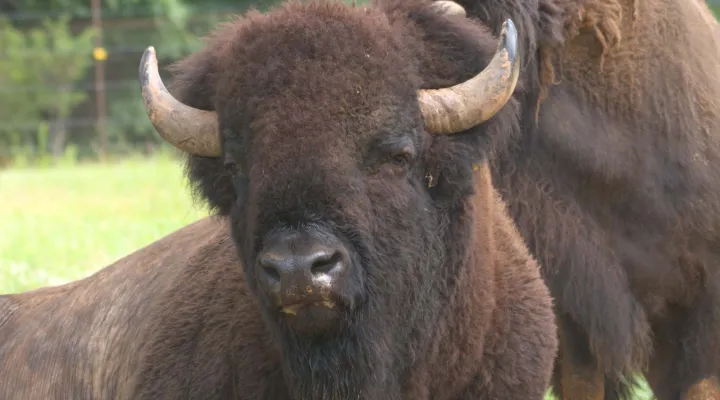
x,y
304,94
449,52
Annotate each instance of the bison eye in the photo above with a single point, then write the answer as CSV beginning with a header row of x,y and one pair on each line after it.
x,y
402,158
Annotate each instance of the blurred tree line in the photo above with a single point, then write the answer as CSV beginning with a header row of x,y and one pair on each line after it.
x,y
48,108
47,75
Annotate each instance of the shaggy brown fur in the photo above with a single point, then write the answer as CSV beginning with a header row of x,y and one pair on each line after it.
x,y
314,101
616,185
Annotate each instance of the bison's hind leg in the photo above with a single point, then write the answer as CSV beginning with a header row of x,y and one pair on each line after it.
x,y
687,351
577,375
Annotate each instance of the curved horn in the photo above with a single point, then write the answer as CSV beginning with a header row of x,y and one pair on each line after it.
x,y
460,107
448,8
189,129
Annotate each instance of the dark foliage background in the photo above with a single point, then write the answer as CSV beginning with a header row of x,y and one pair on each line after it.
x,y
48,83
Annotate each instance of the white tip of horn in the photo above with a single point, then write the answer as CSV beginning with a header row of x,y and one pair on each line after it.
x,y
449,8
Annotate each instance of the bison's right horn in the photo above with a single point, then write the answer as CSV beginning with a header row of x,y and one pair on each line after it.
x,y
189,129
448,8
460,107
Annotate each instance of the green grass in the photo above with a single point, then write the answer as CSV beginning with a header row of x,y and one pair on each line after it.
x,y
63,223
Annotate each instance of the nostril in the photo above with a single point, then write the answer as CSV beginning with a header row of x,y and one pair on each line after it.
x,y
325,262
271,271
270,267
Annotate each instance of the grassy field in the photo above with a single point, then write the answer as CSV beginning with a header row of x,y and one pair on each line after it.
x,y
64,223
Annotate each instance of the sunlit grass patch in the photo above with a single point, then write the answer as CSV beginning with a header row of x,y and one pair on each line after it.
x,y
64,223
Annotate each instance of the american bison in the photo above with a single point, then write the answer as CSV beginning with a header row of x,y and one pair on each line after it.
x,y
614,183
358,249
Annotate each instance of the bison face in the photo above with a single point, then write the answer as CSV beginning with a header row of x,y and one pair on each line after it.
x,y
311,129
334,220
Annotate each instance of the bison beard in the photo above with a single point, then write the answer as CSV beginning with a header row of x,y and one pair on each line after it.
x,y
401,298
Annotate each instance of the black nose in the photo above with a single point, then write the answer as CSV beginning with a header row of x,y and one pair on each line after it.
x,y
294,264
313,261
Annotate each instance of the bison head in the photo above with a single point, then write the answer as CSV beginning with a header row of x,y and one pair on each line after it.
x,y
340,142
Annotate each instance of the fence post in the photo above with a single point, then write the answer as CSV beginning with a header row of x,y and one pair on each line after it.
x,y
100,55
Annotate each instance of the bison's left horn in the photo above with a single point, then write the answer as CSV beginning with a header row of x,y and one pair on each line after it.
x,y
189,129
460,107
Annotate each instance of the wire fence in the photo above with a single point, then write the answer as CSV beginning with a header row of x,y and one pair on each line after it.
x,y
122,120
125,126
